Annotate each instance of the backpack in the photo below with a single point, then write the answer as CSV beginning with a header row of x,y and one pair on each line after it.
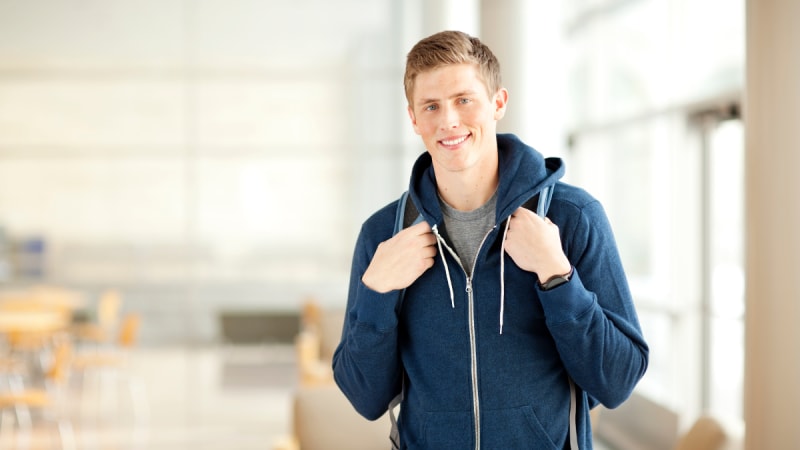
x,y
406,215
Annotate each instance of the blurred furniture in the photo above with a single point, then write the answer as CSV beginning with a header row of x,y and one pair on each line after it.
x,y
31,321
705,434
315,343
257,327
322,417
102,369
20,392
28,326
37,310
116,353
639,423
102,329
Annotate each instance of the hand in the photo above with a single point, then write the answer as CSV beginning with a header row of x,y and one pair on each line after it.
x,y
399,261
535,245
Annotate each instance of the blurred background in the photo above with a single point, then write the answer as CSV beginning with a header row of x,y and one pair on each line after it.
x,y
208,164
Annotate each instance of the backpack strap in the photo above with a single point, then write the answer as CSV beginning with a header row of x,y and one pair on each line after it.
x,y
573,408
406,215
542,205
400,213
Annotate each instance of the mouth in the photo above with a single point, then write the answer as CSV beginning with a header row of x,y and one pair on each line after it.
x,y
454,141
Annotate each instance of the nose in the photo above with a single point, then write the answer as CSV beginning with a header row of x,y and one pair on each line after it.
x,y
450,118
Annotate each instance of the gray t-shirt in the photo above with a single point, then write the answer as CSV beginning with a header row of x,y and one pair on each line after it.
x,y
466,229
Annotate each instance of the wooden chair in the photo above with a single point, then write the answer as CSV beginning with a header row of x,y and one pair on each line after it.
x,y
312,350
102,329
115,354
48,399
109,365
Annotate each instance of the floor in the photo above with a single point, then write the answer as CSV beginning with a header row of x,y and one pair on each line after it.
x,y
184,398
229,397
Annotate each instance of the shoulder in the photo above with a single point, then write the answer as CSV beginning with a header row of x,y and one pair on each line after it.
x,y
575,209
571,199
582,219
380,225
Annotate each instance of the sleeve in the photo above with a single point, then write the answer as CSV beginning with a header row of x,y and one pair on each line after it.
x,y
592,318
366,364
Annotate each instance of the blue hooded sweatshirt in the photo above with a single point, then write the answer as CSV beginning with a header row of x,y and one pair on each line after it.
x,y
485,362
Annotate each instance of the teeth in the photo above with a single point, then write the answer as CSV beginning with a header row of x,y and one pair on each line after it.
x,y
455,141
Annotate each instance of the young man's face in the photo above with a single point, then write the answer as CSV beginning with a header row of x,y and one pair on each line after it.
x,y
456,117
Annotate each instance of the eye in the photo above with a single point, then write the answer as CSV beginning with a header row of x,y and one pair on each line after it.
x,y
464,101
431,107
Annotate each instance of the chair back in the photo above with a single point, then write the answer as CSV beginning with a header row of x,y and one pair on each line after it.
x,y
108,308
59,368
129,330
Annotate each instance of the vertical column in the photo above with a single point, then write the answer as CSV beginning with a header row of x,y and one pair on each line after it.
x,y
440,15
527,39
772,109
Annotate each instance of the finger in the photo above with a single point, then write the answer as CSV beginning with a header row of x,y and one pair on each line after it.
x,y
425,239
420,228
429,251
523,210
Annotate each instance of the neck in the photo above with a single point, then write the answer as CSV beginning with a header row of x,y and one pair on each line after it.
x,y
468,190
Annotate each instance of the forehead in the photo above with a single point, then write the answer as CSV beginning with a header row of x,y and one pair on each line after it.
x,y
446,81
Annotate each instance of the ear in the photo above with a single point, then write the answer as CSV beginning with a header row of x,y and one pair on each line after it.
x,y
413,119
500,102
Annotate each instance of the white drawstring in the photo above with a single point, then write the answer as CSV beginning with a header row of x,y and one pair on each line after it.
x,y
503,275
439,239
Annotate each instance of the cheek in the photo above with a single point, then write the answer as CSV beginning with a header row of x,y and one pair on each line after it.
x,y
425,127
476,116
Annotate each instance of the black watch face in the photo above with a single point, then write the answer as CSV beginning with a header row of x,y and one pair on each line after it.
x,y
555,282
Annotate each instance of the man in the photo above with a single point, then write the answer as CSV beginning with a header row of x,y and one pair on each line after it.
x,y
499,329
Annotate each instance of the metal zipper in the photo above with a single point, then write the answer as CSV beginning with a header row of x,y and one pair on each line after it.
x,y
472,340
474,364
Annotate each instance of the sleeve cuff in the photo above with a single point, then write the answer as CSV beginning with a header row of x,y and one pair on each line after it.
x,y
378,310
566,302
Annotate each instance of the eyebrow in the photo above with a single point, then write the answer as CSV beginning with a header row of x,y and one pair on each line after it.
x,y
466,93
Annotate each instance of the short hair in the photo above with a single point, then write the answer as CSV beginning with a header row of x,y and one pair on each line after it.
x,y
451,47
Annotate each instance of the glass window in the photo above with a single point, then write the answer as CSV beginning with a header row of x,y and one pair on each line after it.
x,y
671,186
726,268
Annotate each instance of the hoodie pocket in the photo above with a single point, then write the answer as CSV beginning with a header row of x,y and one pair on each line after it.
x,y
448,430
507,429
514,428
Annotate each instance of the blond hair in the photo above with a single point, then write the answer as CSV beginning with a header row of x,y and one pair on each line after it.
x,y
447,48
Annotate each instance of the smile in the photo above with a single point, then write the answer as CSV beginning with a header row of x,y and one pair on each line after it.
x,y
455,141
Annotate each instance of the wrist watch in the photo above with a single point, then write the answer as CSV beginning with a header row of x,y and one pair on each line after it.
x,y
556,280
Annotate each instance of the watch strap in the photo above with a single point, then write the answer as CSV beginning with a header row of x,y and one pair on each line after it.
x,y
556,280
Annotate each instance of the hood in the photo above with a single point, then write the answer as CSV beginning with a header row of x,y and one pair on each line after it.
x,y
524,172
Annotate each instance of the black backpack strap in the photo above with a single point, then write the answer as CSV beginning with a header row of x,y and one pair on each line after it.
x,y
407,213
400,213
540,203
